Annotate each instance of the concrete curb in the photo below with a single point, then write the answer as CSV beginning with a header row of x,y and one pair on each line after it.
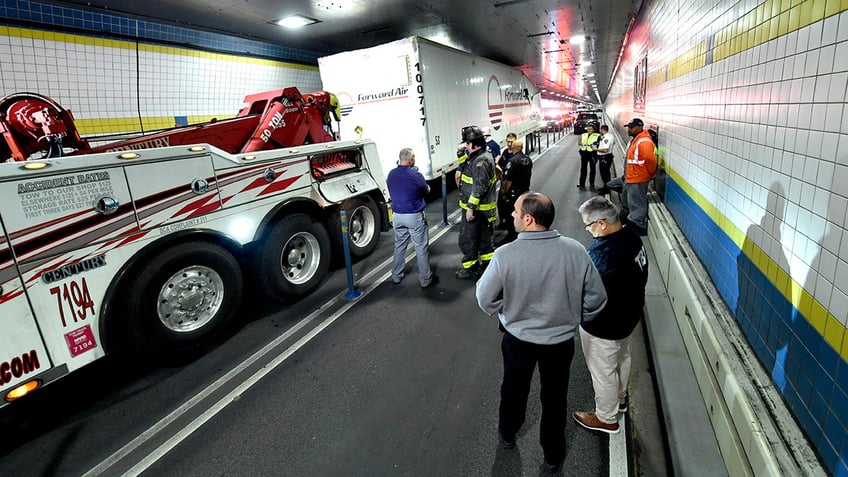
x,y
756,433
692,445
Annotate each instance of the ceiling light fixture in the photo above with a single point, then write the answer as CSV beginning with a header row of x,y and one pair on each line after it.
x,y
508,3
296,21
576,40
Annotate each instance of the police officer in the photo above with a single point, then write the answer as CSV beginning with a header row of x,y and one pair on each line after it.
x,y
605,157
478,200
587,144
504,221
516,181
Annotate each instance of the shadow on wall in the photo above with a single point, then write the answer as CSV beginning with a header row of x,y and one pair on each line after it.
x,y
763,314
803,365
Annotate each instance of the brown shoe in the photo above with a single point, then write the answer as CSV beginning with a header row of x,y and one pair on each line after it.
x,y
590,421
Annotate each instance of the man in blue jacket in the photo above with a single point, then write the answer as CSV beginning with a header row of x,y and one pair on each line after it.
x,y
408,190
541,286
620,258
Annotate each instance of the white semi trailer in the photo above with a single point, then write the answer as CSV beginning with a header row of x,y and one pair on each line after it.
x,y
420,94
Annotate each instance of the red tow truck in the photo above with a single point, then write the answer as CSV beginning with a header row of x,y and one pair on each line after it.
x,y
144,243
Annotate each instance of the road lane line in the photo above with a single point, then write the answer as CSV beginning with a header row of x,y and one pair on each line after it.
x,y
618,450
145,436
233,395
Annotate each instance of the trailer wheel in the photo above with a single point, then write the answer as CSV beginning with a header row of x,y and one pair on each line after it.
x,y
183,299
294,258
363,226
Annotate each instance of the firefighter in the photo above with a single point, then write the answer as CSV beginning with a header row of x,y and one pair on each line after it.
x,y
478,200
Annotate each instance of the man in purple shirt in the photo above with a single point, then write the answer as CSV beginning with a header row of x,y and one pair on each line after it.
x,y
408,190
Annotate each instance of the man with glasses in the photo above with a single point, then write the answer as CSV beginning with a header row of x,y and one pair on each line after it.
x,y
620,258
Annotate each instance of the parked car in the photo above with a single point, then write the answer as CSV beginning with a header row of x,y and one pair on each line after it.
x,y
553,123
583,120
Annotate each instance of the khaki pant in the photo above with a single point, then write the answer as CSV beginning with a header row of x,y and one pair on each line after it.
x,y
609,364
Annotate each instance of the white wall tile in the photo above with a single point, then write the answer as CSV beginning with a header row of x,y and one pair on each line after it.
x,y
842,34
826,59
840,57
815,35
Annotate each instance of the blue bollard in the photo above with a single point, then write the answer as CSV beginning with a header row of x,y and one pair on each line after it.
x,y
352,293
445,222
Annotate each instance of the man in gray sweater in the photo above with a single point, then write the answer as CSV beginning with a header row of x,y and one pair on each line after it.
x,y
541,286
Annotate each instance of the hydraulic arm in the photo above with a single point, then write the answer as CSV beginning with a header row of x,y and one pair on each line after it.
x,y
31,123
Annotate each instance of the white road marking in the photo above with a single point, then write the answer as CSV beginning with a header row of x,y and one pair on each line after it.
x,y
247,384
617,445
618,450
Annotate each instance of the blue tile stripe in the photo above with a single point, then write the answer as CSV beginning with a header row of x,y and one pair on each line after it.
x,y
102,24
810,375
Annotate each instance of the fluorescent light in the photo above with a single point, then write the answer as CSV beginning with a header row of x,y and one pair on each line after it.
x,y
296,21
576,40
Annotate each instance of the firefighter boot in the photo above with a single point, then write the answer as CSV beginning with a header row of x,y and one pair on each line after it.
x,y
470,273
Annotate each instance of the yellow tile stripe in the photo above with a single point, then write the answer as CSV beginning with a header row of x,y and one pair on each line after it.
x,y
98,126
767,21
130,124
128,45
689,61
814,312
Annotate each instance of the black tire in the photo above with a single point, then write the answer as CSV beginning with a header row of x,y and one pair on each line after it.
x,y
164,323
293,259
363,225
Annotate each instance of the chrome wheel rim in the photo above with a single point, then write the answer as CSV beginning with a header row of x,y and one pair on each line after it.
x,y
362,226
301,258
190,299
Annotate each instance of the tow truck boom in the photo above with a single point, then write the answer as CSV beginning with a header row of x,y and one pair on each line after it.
x,y
32,123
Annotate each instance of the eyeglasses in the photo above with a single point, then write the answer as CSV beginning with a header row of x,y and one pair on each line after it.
x,y
592,223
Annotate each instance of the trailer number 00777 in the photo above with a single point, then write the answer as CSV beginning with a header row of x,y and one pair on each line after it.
x,y
420,89
73,300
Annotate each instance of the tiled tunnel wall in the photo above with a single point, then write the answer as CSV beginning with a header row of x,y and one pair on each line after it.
x,y
750,102
138,66
749,98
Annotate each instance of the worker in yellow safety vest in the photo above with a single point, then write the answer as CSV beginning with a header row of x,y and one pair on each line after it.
x,y
588,156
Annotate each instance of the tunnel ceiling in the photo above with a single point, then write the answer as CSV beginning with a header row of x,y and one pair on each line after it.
x,y
540,37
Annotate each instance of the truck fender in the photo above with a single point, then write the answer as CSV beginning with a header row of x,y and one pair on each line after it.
x,y
111,335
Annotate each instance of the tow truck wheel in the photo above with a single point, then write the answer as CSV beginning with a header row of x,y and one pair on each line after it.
x,y
183,298
294,258
363,228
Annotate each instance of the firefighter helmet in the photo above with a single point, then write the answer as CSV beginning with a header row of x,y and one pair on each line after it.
x,y
470,133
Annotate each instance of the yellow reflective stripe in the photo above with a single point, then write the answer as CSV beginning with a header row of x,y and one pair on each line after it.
x,y
469,264
636,159
473,200
466,179
493,180
486,257
486,206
